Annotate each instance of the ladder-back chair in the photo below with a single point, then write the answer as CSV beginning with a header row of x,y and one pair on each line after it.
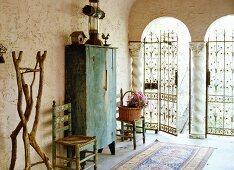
x,y
79,144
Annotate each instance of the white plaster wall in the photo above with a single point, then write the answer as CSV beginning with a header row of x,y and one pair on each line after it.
x,y
116,23
31,26
197,15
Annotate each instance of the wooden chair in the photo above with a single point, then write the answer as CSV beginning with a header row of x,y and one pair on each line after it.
x,y
77,143
129,129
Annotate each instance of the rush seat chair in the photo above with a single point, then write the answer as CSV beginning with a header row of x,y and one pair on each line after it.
x,y
81,151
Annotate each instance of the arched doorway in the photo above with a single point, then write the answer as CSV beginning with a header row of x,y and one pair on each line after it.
x,y
166,79
220,90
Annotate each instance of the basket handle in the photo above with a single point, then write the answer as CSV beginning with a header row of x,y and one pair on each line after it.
x,y
122,96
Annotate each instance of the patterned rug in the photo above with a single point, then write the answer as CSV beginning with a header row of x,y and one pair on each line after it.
x,y
167,156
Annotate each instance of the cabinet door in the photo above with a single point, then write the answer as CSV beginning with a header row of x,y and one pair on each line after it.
x,y
96,91
110,97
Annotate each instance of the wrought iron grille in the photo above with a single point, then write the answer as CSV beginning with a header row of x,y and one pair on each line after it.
x,y
151,77
220,111
161,65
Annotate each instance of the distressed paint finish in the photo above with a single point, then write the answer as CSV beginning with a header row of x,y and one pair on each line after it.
x,y
197,15
91,85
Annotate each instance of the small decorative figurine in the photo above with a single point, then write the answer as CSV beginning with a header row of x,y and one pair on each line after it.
x,y
78,37
105,37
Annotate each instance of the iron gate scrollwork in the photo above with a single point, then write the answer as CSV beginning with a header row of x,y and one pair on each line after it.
x,y
151,70
220,100
160,81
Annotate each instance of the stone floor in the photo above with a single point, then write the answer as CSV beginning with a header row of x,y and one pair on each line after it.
x,y
221,159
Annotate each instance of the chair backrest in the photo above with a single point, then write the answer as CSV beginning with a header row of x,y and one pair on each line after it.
x,y
61,119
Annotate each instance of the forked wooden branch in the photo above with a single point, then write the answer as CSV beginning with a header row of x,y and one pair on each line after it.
x,y
23,89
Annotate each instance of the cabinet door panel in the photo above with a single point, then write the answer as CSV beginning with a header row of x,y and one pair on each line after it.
x,y
96,86
110,99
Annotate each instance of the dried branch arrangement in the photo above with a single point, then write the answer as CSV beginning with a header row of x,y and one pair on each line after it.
x,y
26,91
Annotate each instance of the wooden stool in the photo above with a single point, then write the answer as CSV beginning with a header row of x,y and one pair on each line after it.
x,y
131,128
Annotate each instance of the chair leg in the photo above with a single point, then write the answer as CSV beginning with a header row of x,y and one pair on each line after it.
x,y
143,129
53,155
122,131
69,155
134,134
77,157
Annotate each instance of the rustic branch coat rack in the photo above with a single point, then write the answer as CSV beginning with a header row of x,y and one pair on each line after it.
x,y
29,138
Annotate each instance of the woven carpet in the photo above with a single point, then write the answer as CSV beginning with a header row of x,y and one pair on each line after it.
x,y
167,156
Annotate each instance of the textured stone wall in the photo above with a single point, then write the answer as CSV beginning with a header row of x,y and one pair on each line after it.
x,y
197,15
31,26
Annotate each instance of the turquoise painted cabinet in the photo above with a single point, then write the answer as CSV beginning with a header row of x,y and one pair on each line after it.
x,y
90,73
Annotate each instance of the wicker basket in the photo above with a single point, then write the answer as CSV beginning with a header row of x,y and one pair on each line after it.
x,y
127,113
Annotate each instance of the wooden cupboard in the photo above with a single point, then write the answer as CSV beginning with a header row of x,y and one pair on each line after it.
x,y
90,82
